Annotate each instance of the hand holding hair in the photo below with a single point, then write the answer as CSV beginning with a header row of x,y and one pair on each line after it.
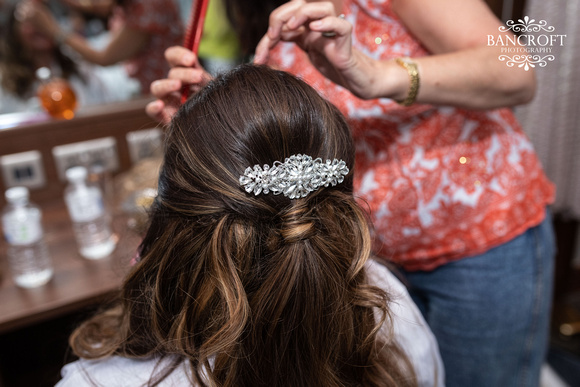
x,y
463,71
326,38
185,70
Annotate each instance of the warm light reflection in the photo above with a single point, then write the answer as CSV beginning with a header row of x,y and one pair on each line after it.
x,y
56,96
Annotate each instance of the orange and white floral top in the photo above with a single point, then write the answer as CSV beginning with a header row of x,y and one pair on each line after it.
x,y
441,183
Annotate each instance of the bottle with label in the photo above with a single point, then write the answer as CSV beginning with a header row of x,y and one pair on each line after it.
x,y
56,95
91,224
28,256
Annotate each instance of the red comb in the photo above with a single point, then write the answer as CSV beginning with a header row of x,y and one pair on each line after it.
x,y
193,33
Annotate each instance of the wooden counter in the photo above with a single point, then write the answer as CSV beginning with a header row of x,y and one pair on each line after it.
x,y
77,281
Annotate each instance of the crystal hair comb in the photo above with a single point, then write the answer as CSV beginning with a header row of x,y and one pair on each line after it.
x,y
296,177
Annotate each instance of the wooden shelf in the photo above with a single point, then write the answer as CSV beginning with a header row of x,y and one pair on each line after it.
x,y
77,282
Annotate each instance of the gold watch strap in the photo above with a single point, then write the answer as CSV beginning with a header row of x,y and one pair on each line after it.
x,y
413,71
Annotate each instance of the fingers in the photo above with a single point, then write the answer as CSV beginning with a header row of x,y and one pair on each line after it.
x,y
331,26
185,67
294,19
281,16
188,75
161,88
310,11
160,112
262,50
185,70
23,11
180,56
155,110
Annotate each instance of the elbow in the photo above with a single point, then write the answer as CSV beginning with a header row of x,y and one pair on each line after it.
x,y
523,88
530,91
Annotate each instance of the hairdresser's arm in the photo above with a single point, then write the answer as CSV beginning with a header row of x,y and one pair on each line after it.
x,y
101,7
185,70
124,44
462,70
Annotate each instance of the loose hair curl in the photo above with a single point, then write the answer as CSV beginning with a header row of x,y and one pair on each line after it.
x,y
253,290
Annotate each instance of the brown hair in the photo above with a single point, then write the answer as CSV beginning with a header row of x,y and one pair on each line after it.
x,y
255,290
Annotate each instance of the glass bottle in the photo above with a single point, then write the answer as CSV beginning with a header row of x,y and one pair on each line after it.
x,y
91,224
56,95
28,256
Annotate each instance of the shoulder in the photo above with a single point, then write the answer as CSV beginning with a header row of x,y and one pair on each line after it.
x,y
379,275
409,328
119,371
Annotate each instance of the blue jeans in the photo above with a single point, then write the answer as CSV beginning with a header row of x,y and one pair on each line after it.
x,y
491,313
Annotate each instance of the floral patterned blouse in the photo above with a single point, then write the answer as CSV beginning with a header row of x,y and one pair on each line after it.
x,y
159,18
441,183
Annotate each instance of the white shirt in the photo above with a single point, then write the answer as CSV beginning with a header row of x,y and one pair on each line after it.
x,y
410,331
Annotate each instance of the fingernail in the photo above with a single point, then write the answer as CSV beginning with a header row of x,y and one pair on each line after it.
x,y
316,24
291,22
270,32
189,58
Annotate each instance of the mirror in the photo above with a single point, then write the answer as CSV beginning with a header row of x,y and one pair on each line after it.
x,y
25,46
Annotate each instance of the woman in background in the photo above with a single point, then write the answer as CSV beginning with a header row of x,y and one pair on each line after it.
x,y
140,31
23,50
248,277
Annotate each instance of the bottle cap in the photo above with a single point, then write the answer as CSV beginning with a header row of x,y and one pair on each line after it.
x,y
16,194
43,73
76,174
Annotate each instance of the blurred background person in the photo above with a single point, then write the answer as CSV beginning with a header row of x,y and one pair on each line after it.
x,y
140,30
23,50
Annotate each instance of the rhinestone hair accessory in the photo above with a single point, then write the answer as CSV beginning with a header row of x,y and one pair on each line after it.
x,y
295,178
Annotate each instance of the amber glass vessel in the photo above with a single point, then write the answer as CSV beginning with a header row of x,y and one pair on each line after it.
x,y
58,99
56,95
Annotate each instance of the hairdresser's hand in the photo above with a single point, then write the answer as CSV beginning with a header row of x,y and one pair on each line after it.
x,y
306,24
185,70
39,15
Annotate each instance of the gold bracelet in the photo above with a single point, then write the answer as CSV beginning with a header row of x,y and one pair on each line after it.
x,y
413,71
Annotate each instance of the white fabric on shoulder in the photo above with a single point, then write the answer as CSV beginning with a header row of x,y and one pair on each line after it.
x,y
410,331
116,371
410,328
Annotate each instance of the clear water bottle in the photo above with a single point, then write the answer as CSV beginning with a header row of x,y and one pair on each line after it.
x,y
91,224
28,255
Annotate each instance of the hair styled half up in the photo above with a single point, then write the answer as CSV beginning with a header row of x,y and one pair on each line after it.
x,y
253,290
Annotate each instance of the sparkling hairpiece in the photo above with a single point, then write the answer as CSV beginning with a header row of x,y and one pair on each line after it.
x,y
296,177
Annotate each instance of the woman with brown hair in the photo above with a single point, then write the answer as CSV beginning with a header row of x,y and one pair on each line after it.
x,y
255,268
